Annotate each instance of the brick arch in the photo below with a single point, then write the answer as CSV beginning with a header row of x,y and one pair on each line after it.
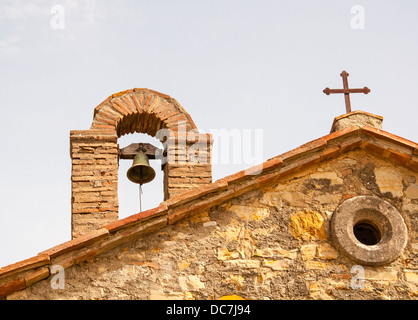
x,y
140,110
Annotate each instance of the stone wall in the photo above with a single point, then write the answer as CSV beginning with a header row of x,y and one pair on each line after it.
x,y
272,243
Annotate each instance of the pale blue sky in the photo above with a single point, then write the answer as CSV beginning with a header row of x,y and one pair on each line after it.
x,y
230,64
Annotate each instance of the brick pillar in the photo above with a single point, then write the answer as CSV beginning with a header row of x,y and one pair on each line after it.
x,y
189,163
94,179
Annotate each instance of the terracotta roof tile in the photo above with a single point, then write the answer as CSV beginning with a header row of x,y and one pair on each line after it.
x,y
13,286
31,263
131,232
270,164
77,243
374,147
267,179
38,275
196,193
142,216
390,137
340,133
176,215
350,144
314,145
329,153
414,163
399,157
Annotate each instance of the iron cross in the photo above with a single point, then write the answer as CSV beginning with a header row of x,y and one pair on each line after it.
x,y
346,91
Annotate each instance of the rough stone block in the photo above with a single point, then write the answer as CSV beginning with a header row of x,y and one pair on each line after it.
x,y
332,176
308,225
380,275
242,264
389,180
277,265
250,213
357,118
412,191
327,252
411,276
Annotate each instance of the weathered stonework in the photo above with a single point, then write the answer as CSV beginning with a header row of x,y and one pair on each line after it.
x,y
274,242
389,180
357,118
267,232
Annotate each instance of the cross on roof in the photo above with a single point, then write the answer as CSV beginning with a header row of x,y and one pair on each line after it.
x,y
346,91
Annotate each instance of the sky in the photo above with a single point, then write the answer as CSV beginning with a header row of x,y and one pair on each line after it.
x,y
256,69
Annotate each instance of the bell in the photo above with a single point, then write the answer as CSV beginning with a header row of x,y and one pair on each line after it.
x,y
140,171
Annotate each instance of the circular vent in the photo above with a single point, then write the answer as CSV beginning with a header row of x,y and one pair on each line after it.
x,y
369,230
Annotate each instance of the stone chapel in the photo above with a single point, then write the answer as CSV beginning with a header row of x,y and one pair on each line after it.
x,y
336,218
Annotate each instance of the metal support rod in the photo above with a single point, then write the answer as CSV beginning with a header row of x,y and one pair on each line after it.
x,y
140,193
140,189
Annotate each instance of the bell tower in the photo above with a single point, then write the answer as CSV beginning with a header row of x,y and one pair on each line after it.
x,y
186,158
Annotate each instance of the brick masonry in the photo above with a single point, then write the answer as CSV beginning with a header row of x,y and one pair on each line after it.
x,y
94,179
94,153
189,163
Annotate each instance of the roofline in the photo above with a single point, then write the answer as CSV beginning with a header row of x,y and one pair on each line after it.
x,y
20,275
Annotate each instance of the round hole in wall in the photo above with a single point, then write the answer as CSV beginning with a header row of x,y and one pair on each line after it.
x,y
369,230
367,233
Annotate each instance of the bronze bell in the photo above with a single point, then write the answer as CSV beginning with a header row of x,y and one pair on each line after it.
x,y
140,171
